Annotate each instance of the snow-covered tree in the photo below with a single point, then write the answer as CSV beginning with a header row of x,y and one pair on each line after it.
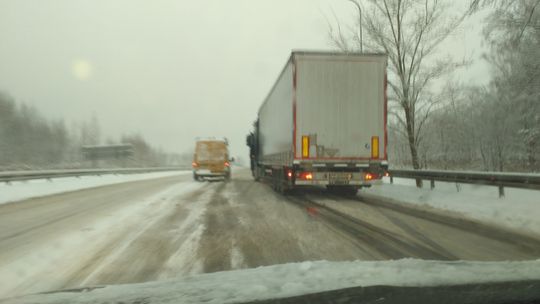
x,y
513,32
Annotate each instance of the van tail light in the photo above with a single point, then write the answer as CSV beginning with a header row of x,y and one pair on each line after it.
x,y
227,164
305,146
194,164
375,147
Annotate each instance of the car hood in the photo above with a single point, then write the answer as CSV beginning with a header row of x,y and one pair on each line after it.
x,y
315,281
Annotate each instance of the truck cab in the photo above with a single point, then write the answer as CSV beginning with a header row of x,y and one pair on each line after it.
x,y
211,160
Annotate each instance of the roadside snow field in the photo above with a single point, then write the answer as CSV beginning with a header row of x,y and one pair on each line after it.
x,y
519,209
17,191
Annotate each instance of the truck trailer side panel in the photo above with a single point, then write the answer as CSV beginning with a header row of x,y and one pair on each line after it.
x,y
340,106
276,121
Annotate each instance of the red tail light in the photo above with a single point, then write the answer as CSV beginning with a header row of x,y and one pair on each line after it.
x,y
227,164
194,164
289,174
304,175
371,176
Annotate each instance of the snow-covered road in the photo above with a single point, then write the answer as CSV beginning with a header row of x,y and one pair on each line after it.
x,y
172,226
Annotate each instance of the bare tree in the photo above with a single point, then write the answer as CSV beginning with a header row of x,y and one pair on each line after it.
x,y
410,31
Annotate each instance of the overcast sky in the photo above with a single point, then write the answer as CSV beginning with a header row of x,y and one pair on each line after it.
x,y
172,70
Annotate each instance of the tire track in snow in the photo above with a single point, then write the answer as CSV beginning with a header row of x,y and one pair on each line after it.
x,y
47,258
215,245
138,253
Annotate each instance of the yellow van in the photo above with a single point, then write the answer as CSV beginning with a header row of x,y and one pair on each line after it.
x,y
211,159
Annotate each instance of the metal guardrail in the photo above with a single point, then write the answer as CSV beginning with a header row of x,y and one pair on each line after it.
x,y
499,179
11,176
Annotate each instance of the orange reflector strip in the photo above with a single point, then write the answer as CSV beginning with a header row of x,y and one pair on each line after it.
x,y
305,146
375,147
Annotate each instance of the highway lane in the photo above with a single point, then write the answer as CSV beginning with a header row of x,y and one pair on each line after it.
x,y
399,231
163,228
42,240
154,229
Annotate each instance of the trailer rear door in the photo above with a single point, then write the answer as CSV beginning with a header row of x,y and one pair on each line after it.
x,y
340,107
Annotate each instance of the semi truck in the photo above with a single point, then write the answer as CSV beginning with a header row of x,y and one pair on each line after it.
x,y
323,123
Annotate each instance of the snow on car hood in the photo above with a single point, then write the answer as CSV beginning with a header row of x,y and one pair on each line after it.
x,y
295,279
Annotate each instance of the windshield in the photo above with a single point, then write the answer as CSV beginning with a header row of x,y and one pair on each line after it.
x,y
322,144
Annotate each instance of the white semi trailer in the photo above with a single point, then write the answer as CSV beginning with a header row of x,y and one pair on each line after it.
x,y
323,123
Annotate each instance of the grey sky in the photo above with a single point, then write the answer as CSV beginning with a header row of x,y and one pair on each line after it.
x,y
172,70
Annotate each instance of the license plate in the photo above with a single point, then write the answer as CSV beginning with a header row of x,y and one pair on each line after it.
x,y
339,179
339,182
216,168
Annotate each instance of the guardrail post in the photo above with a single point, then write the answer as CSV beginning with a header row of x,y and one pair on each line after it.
x,y
391,179
501,191
432,184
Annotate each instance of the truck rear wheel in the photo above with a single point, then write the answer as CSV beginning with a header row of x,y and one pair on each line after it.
x,y
279,183
257,173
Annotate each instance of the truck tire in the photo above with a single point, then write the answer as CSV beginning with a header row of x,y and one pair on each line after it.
x,y
279,184
257,174
352,190
196,177
285,190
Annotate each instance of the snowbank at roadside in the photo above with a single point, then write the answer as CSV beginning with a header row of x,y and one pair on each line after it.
x,y
519,209
297,279
17,191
